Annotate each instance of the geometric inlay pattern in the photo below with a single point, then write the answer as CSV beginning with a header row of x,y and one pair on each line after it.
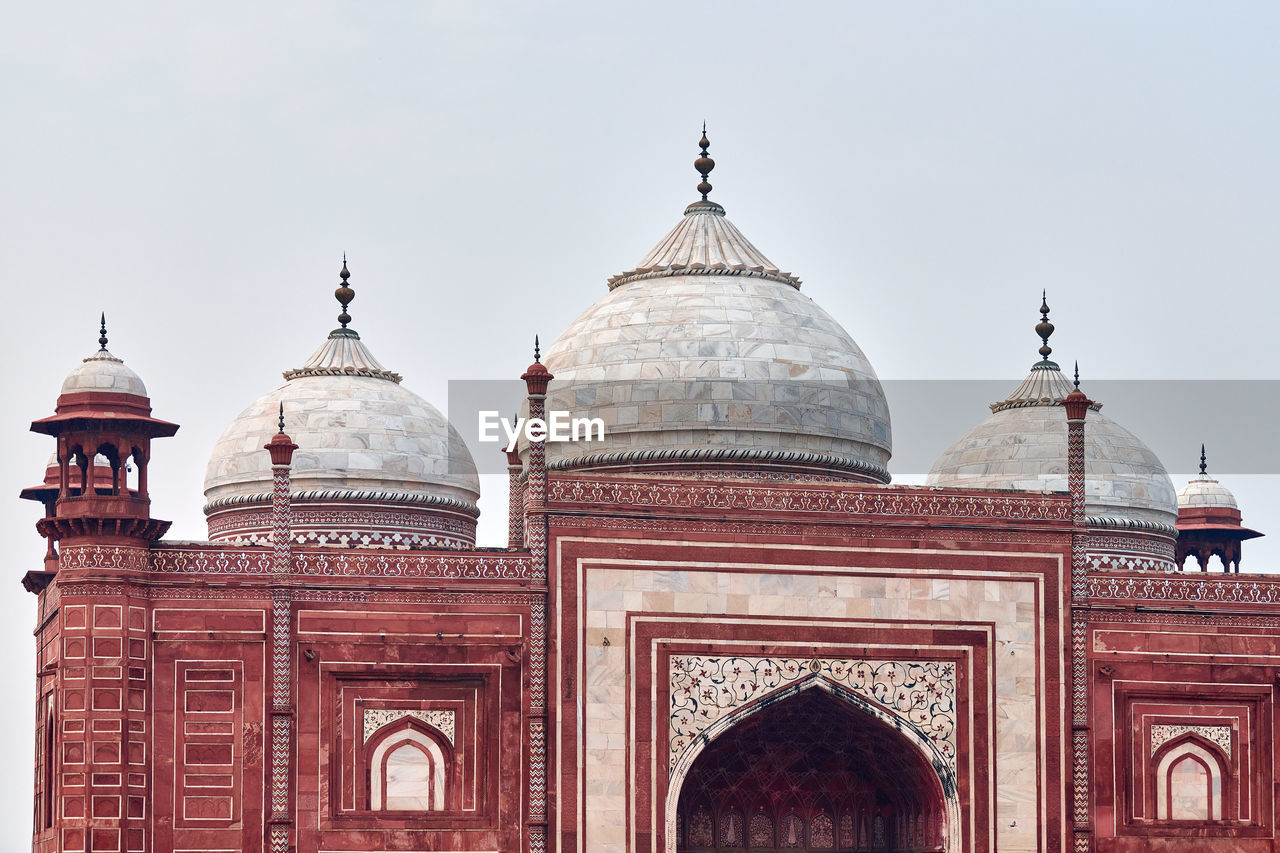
x,y
705,689
1162,734
376,718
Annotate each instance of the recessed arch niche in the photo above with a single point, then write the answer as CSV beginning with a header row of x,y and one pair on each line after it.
x,y
805,761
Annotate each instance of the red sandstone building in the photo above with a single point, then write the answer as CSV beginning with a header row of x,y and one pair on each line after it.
x,y
719,628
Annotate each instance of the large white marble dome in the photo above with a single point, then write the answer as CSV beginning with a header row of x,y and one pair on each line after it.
x,y
1022,445
706,356
375,465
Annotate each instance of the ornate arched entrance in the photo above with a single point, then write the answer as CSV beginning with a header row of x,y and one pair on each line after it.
x,y
811,770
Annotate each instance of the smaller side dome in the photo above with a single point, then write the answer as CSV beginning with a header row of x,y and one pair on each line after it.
x,y
1022,445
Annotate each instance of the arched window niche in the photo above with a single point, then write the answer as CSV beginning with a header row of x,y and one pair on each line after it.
x,y
409,768
1191,776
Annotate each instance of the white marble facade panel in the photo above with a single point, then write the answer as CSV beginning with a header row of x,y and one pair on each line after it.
x,y
1009,603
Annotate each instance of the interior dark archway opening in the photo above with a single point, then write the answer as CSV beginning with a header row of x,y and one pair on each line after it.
x,y
810,772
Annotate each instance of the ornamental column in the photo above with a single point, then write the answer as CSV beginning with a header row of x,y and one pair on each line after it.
x,y
536,379
281,833
1077,406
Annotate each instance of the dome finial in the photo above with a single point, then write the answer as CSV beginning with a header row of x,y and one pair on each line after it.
x,y
704,164
102,333
344,293
1203,467
282,417
537,351
1044,328
1077,379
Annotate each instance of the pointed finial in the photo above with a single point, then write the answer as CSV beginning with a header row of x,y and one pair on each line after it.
x,y
1204,468
537,351
704,164
344,293
282,417
1044,328
1077,379
102,333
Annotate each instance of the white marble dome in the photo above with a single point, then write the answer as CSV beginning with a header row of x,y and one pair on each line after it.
x,y
1205,492
103,372
1023,446
375,464
707,352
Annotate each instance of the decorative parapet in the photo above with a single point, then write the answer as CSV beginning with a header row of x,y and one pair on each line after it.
x,y
112,557
902,502
1191,588
344,563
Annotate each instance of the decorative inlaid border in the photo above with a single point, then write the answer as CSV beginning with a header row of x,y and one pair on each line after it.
x,y
845,501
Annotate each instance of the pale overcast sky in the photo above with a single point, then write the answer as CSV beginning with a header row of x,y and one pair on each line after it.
x,y
926,169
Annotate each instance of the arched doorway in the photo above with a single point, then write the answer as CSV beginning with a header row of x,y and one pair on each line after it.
x,y
810,772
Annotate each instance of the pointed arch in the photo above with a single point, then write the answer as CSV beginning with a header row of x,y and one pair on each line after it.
x,y
945,788
1191,776
408,768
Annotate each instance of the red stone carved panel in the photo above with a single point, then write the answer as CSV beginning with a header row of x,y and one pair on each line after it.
x,y
208,722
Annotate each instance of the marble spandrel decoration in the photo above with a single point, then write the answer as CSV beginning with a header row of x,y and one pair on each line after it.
x,y
1163,733
376,718
705,689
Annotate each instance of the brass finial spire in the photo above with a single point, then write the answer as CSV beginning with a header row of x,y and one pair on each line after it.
x,y
344,293
704,164
1204,468
102,333
1044,328
282,417
537,351
1077,379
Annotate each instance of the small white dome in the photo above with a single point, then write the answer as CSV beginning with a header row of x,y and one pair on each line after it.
x,y
363,439
102,371
1023,446
1205,491
708,352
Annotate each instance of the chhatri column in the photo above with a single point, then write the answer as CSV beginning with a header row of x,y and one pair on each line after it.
x,y
536,379
281,833
1077,406
515,501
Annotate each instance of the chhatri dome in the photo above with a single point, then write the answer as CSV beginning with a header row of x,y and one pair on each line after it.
x,y
1023,445
707,357
376,464
102,372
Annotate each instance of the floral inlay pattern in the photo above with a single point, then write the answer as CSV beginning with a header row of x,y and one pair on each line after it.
x,y
705,689
376,718
1163,733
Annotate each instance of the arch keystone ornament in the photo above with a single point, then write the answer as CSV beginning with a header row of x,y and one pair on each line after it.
x,y
710,695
